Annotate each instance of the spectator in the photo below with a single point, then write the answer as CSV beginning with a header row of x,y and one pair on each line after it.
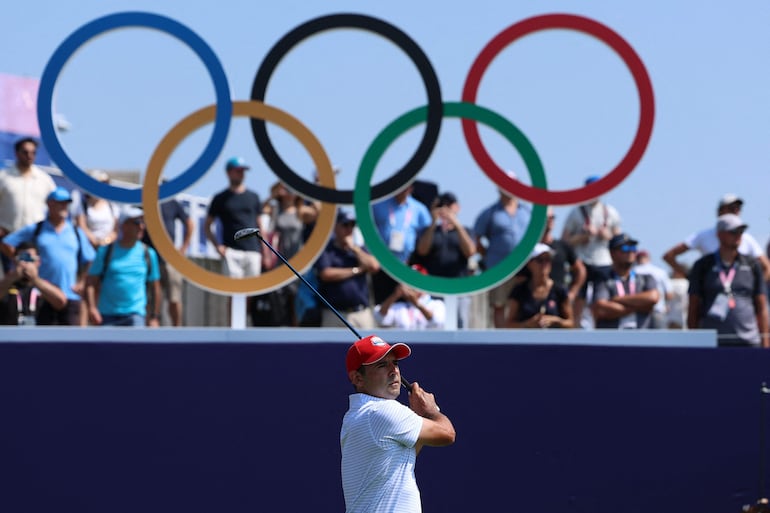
x,y
626,298
284,230
707,241
98,218
445,246
236,208
399,220
677,305
409,309
727,290
498,230
665,289
171,281
124,274
22,290
587,229
567,270
540,302
65,255
342,270
24,189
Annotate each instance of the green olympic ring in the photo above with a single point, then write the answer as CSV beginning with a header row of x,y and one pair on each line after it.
x,y
437,284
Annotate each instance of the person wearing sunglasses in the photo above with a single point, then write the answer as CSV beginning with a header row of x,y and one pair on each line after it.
x,y
540,302
727,291
24,189
624,300
124,281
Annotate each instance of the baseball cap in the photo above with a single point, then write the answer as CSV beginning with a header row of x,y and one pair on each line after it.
x,y
130,213
343,216
729,222
60,194
622,239
729,199
592,179
372,349
236,163
539,249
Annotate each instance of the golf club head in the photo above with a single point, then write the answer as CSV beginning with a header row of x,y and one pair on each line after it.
x,y
246,233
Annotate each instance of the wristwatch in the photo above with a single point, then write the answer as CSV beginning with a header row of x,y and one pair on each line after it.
x,y
356,270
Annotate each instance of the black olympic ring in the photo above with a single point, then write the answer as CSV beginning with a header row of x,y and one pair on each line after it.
x,y
400,39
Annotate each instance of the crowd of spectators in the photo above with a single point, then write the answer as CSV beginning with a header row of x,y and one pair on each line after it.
x,y
76,259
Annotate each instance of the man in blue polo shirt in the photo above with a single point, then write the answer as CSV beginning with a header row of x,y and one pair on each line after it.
x,y
342,270
65,255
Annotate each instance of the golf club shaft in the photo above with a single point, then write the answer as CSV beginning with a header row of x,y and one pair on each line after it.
x,y
256,233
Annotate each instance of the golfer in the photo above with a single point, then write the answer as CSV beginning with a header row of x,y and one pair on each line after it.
x,y
381,437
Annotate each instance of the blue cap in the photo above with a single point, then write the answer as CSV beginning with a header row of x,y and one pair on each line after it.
x,y
592,179
60,194
236,163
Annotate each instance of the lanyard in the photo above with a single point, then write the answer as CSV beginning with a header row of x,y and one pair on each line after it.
x,y
631,285
392,217
32,301
727,279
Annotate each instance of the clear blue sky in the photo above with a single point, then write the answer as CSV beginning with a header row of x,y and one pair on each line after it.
x,y
569,93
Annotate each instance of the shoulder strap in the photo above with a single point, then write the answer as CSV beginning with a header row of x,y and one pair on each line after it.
x,y
38,229
147,260
80,243
107,257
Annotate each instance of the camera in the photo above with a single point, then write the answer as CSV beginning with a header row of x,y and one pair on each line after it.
x,y
26,256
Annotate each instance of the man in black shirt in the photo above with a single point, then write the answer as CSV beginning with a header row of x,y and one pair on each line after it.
x,y
236,208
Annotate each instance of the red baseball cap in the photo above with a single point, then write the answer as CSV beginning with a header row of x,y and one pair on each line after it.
x,y
372,349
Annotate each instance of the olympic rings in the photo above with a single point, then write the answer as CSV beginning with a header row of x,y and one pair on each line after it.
x,y
361,196
436,284
215,282
646,116
400,39
133,19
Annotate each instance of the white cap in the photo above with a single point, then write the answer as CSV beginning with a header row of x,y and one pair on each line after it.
x,y
729,222
130,212
539,249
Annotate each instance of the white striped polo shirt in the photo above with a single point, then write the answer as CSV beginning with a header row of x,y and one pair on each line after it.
x,y
377,439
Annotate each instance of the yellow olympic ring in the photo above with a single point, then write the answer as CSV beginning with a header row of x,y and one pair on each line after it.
x,y
212,281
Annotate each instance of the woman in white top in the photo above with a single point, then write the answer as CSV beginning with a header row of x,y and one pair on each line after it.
x,y
96,216
99,220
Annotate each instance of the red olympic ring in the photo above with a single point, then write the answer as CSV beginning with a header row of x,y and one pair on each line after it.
x,y
646,111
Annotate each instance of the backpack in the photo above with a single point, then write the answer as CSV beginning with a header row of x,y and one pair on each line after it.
x,y
147,262
108,256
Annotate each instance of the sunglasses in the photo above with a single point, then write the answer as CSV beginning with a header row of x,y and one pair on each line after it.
x,y
137,221
349,224
26,256
737,231
627,248
542,259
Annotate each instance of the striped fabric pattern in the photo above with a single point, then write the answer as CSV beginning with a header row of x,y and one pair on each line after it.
x,y
377,439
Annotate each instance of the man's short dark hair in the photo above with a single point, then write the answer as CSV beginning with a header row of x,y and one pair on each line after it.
x,y
22,142
26,245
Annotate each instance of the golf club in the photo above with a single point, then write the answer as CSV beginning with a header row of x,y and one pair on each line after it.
x,y
254,232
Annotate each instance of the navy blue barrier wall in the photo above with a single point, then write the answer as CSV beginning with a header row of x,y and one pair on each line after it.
x,y
115,427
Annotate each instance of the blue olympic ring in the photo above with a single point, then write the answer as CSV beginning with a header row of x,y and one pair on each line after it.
x,y
133,19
